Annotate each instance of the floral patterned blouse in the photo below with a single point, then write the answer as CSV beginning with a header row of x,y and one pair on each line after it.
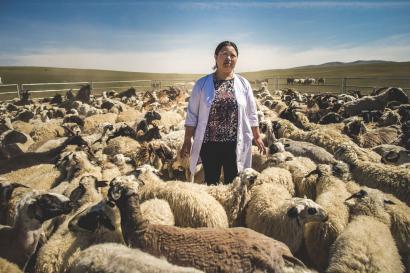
x,y
223,116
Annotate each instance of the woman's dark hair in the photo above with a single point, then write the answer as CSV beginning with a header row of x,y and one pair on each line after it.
x,y
226,43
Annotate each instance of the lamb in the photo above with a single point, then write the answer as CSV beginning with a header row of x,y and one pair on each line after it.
x,y
116,258
388,178
208,249
191,208
363,249
92,224
331,193
377,102
272,211
19,242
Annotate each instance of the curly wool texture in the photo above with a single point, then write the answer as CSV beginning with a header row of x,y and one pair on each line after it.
x,y
267,213
157,212
116,258
65,245
299,167
122,145
363,249
277,176
8,267
331,194
357,249
191,208
387,178
91,122
327,139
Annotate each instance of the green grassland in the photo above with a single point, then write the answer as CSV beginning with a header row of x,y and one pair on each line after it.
x,y
369,75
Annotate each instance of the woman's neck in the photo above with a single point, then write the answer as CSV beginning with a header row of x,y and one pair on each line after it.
x,y
223,75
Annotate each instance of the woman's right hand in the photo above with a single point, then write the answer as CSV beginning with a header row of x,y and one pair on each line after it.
x,y
186,148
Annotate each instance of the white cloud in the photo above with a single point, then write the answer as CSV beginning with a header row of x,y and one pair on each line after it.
x,y
252,57
294,4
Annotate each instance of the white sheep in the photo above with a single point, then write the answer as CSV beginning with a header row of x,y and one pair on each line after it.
x,y
116,258
272,211
388,178
158,212
331,193
191,208
366,245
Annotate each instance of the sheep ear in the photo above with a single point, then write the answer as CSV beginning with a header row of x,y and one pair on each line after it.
x,y
389,202
77,193
293,212
101,183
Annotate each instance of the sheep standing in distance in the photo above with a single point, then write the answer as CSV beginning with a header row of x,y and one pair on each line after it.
x,y
19,242
116,258
208,249
366,245
388,178
272,211
331,193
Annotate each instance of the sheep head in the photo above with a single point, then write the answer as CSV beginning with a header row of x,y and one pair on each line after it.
x,y
370,202
305,211
37,207
354,128
123,186
93,218
87,183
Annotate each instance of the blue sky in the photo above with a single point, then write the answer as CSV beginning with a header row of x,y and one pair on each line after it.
x,y
180,36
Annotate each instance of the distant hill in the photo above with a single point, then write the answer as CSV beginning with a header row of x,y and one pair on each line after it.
x,y
360,68
333,64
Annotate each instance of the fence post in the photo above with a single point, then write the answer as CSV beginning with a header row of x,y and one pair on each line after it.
x,y
343,85
19,88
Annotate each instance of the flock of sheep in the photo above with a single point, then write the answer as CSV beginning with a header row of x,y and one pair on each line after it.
x,y
95,184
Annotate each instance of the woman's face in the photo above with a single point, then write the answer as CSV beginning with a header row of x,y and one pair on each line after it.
x,y
226,59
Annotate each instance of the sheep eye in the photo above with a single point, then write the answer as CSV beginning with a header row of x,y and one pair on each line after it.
x,y
360,194
312,211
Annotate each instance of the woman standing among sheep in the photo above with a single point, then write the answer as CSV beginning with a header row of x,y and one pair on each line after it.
x,y
222,118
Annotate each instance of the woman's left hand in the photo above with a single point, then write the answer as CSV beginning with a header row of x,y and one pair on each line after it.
x,y
260,145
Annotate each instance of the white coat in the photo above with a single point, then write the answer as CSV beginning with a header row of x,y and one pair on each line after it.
x,y
198,112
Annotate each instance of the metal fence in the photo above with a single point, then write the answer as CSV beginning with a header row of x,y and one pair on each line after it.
x,y
365,85
42,90
331,85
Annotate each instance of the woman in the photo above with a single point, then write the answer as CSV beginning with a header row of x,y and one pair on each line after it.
x,y
222,118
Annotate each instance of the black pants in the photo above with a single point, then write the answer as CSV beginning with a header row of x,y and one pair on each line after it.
x,y
214,156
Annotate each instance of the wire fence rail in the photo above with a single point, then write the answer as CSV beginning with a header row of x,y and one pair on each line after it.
x,y
329,85
49,89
